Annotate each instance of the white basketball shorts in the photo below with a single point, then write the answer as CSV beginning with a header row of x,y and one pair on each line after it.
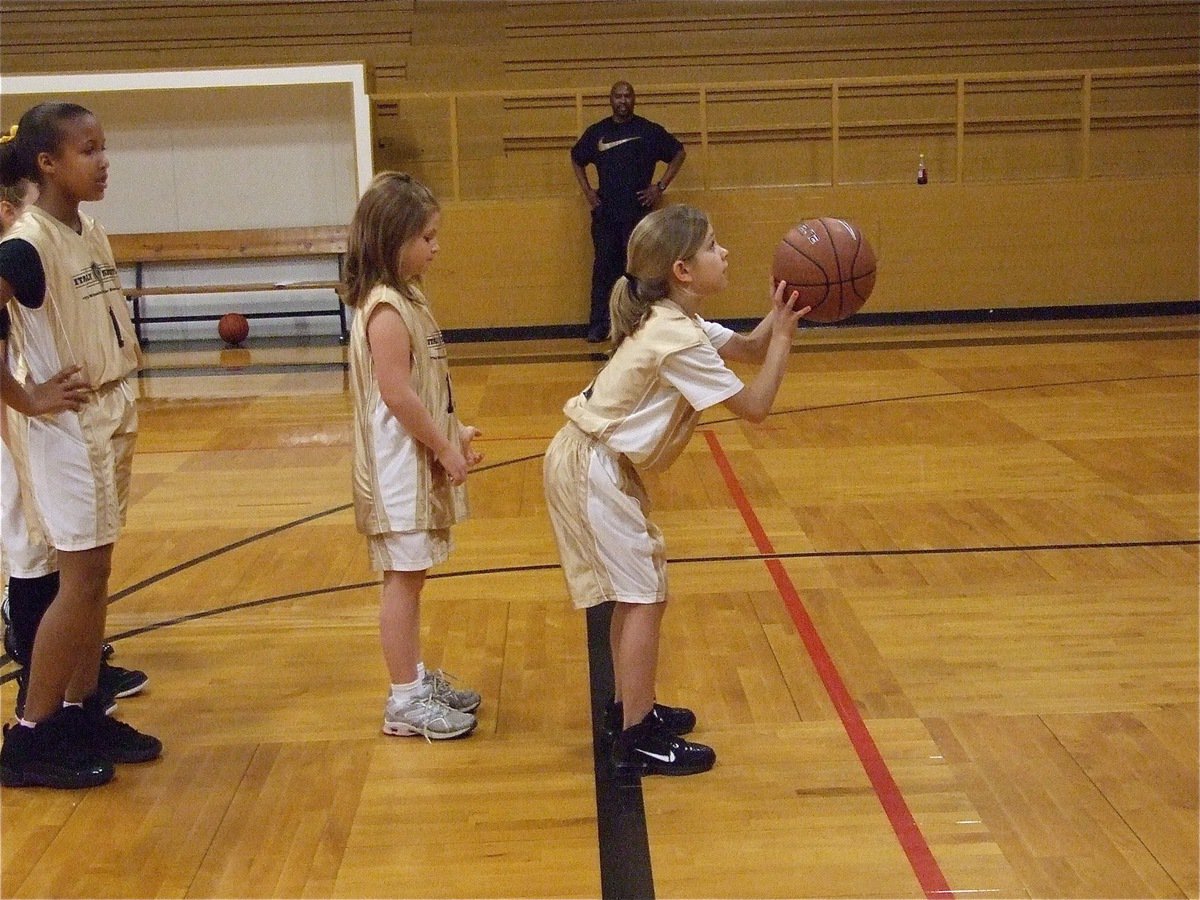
x,y
610,550
80,464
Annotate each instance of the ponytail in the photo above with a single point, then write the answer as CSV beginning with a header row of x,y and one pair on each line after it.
x,y
38,132
10,163
664,236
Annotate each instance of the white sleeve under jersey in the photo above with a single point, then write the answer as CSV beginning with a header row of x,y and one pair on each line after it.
x,y
701,376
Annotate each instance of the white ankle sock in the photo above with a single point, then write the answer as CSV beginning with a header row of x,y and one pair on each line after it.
x,y
25,723
403,693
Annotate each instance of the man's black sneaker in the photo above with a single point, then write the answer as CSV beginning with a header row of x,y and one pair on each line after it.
x,y
44,756
117,682
676,719
110,738
649,748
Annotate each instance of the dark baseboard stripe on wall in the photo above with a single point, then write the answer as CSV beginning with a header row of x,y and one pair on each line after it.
x,y
923,317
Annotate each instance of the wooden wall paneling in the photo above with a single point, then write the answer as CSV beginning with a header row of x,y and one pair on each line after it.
x,y
771,157
457,46
755,147
480,122
750,130
413,134
538,133
883,128
1133,92
455,147
941,246
512,263
389,76
1024,127
116,36
1129,148
549,43
477,44
541,114
1144,122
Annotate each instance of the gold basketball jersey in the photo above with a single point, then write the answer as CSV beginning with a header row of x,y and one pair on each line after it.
x,y
84,319
398,484
628,407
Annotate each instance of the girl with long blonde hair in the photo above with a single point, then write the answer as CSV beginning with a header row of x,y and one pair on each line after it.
x,y
668,366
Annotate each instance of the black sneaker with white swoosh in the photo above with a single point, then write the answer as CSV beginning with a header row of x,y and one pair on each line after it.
x,y
649,748
676,719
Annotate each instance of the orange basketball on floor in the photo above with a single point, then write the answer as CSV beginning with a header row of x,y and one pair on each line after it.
x,y
830,264
233,328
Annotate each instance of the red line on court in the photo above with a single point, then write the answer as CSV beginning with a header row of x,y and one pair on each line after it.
x,y
913,842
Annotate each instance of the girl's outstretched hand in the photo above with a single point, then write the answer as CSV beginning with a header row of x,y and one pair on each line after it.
x,y
787,316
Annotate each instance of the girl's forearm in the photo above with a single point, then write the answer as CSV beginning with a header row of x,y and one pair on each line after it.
x,y
754,403
411,413
14,394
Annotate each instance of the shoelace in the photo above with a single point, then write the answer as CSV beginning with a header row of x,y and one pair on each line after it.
x,y
441,678
434,710
442,682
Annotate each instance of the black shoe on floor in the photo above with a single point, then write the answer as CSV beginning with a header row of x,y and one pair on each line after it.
x,y
110,701
647,748
117,682
110,738
676,719
44,756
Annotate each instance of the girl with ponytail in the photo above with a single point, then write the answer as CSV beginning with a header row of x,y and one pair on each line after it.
x,y
59,285
668,365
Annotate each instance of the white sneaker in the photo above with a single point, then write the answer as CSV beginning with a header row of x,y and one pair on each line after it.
x,y
428,716
464,700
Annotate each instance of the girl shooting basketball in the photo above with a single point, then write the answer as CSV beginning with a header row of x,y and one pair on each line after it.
x,y
667,367
58,277
411,454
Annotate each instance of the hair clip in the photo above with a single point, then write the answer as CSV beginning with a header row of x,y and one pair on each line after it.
x,y
12,134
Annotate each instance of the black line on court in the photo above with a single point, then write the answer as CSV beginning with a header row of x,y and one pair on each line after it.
x,y
219,551
938,395
680,560
259,535
625,869
521,459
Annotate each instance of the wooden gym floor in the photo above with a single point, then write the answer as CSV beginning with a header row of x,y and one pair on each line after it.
x,y
938,617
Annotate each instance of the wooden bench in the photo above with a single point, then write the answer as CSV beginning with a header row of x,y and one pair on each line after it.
x,y
145,251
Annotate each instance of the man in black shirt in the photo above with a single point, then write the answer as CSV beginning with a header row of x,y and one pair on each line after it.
x,y
625,149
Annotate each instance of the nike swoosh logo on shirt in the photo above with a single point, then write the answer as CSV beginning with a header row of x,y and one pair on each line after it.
x,y
603,145
667,758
